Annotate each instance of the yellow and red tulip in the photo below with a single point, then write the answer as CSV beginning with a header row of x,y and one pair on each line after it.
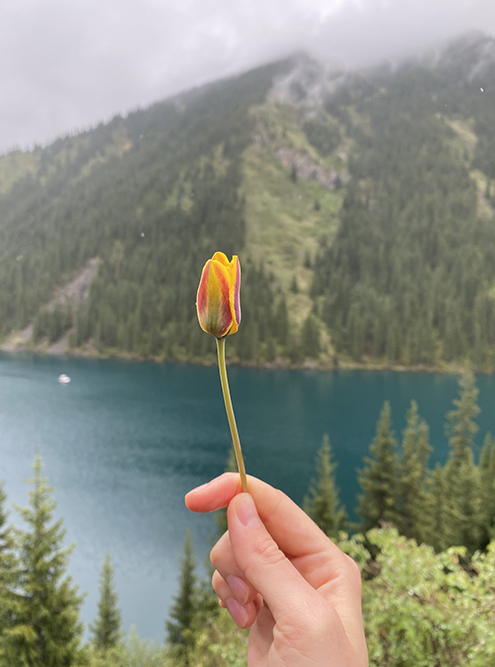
x,y
218,300
219,314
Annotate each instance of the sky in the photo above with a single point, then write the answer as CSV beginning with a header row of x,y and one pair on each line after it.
x,y
67,65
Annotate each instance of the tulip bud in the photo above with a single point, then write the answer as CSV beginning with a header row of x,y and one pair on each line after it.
x,y
218,300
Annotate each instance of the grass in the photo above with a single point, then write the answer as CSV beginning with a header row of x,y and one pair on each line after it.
x,y
286,220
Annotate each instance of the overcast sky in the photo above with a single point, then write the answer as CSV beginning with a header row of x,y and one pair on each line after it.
x,y
68,64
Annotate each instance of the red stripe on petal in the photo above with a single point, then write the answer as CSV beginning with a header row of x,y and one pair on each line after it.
x,y
219,315
202,296
237,290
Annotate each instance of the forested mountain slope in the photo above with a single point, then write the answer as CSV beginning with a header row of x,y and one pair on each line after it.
x,y
361,205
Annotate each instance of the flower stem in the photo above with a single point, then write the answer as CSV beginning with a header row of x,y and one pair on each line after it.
x,y
230,412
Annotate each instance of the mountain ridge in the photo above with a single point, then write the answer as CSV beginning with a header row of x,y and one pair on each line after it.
x,y
267,165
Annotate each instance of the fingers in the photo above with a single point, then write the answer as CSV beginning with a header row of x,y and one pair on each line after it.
x,y
266,567
222,559
243,615
291,528
228,581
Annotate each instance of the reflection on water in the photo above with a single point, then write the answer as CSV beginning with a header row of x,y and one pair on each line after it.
x,y
123,442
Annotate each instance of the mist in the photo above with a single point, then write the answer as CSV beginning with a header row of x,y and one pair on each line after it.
x,y
68,66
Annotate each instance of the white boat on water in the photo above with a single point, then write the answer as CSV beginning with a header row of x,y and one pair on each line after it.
x,y
64,379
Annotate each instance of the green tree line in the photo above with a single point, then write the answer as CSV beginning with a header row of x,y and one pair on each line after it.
x,y
409,276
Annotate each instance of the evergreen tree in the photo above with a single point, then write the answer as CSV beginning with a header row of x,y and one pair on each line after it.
x,y
106,631
437,509
322,504
9,583
414,477
48,631
487,490
463,516
182,624
281,324
463,501
379,477
116,257
461,427
310,337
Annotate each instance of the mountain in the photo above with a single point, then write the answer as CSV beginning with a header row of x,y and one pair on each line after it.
x,y
361,205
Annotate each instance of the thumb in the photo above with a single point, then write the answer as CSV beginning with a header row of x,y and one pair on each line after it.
x,y
265,566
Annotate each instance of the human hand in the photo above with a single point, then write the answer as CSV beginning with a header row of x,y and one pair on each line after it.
x,y
279,574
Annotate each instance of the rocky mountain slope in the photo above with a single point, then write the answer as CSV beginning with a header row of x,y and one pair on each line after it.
x,y
361,205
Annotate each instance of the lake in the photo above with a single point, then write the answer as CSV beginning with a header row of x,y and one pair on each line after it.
x,y
124,441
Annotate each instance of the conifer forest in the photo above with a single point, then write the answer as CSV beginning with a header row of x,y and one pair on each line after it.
x,y
361,206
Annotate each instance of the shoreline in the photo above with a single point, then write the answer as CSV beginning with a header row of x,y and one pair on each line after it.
x,y
280,363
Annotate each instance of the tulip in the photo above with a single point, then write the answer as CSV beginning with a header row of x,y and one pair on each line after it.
x,y
218,302
219,314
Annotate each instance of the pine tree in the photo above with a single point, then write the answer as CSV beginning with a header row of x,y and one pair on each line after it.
x,y
9,584
379,477
49,631
107,629
322,504
487,490
437,509
310,337
464,520
463,502
116,257
281,324
461,428
182,624
414,477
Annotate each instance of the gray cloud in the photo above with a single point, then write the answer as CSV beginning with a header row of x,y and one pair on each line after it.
x,y
69,65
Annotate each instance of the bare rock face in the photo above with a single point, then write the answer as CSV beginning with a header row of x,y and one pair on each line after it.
x,y
304,165
306,86
76,292
308,169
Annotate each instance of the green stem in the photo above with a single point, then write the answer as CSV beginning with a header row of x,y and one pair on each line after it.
x,y
230,412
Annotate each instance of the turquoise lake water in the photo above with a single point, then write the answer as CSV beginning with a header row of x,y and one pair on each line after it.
x,y
123,442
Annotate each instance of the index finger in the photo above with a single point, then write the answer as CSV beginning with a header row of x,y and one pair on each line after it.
x,y
291,528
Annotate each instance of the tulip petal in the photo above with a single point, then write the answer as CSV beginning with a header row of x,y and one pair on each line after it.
x,y
235,289
213,302
220,257
218,301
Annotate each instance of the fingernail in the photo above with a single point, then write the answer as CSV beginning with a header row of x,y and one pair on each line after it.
x,y
239,588
246,511
238,613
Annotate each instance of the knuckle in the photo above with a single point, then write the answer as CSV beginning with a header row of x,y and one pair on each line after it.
x,y
311,623
215,555
267,552
354,571
220,551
